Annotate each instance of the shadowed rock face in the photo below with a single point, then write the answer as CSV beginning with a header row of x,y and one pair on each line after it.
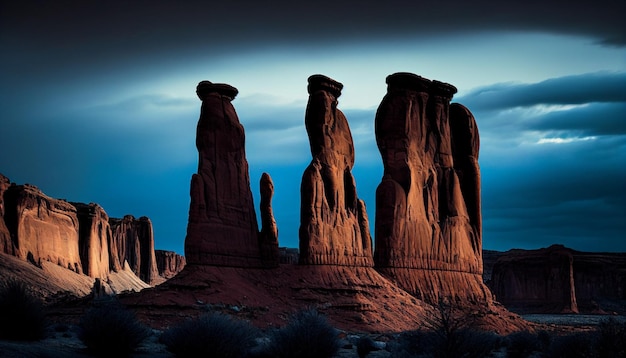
x,y
222,228
94,238
6,246
334,227
268,237
428,221
133,241
42,228
560,280
169,263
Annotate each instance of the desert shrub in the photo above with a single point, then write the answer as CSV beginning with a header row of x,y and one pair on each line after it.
x,y
611,339
111,330
212,335
307,335
577,345
522,344
22,314
465,343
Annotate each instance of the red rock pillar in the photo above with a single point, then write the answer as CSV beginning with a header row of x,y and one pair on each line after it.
x,y
426,240
222,228
268,237
333,223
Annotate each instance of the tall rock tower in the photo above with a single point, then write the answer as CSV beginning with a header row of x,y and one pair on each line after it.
x,y
428,220
222,228
334,228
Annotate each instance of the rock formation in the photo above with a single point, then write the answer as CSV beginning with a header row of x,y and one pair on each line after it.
x,y
222,228
560,280
334,227
6,245
169,263
268,237
42,228
428,226
133,241
94,238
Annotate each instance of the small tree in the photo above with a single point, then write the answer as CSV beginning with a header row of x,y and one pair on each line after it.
x,y
21,313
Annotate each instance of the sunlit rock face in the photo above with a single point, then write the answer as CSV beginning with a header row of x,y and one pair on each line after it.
x,y
42,228
94,237
6,246
428,220
222,228
334,226
133,241
169,263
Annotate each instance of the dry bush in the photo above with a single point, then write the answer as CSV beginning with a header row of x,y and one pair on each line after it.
x,y
21,313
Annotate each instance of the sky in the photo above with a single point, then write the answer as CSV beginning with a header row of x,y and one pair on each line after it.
x,y
98,104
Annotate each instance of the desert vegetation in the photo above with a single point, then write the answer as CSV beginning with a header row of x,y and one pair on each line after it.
x,y
211,335
110,330
22,315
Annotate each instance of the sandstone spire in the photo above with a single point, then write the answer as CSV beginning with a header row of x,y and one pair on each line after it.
x,y
222,228
428,235
333,223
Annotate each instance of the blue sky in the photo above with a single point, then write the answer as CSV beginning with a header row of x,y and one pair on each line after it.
x,y
98,102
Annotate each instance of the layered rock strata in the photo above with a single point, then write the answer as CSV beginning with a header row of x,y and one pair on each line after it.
x,y
222,228
42,228
133,242
169,263
334,228
560,280
94,238
428,220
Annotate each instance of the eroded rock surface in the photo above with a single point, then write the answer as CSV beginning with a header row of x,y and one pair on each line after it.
x,y
334,228
222,228
94,238
268,237
42,228
428,221
6,246
133,241
169,263
560,280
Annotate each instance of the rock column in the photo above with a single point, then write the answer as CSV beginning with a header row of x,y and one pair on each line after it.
x,y
428,236
222,228
334,229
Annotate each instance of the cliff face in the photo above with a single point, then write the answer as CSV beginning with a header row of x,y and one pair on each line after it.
x,y
42,228
169,263
334,227
133,241
222,228
428,221
557,279
75,236
94,238
6,245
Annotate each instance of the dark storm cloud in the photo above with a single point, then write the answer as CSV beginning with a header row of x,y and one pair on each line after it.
x,y
572,194
74,31
552,162
569,90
